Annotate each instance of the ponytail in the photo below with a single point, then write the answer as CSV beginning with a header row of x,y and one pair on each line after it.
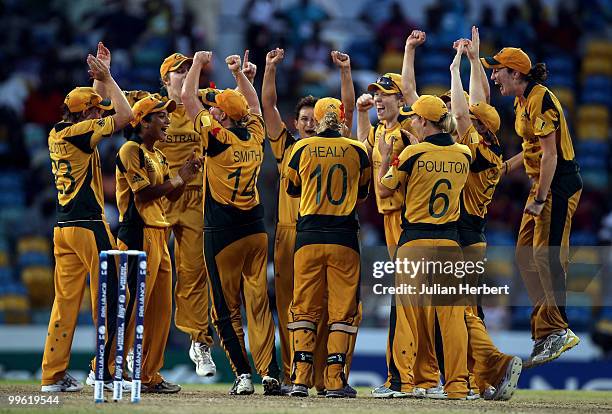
x,y
447,124
329,121
538,73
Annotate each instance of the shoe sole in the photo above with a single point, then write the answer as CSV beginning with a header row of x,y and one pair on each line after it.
x,y
271,388
572,343
331,395
59,389
506,390
394,394
298,394
204,373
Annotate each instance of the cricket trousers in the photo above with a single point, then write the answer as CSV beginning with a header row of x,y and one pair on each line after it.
x,y
542,253
284,246
158,297
324,267
186,218
417,365
76,251
236,259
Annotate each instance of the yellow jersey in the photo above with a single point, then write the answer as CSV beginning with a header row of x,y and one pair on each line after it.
x,y
432,175
233,161
287,209
330,174
137,168
481,181
538,114
181,139
75,163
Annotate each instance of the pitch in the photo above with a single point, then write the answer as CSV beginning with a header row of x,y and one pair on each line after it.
x,y
196,398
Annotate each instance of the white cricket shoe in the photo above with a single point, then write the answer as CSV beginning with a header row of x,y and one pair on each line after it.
x,y
200,355
66,384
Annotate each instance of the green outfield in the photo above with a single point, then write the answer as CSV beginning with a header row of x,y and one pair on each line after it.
x,y
214,399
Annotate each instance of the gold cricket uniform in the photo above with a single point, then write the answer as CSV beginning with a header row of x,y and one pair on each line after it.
x,y
432,175
330,174
389,207
142,226
284,246
538,114
186,219
485,361
235,241
80,234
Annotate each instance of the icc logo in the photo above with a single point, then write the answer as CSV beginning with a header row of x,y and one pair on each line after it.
x,y
102,330
139,329
104,265
143,265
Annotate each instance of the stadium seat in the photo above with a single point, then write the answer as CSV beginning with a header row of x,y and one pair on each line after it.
x,y
596,65
38,280
33,259
599,47
16,305
33,244
592,122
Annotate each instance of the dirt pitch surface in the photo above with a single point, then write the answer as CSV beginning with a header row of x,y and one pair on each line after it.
x,y
214,399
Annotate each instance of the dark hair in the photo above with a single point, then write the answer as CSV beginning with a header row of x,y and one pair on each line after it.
x,y
306,101
538,73
72,117
129,130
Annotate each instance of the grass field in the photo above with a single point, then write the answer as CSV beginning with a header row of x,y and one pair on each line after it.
x,y
214,399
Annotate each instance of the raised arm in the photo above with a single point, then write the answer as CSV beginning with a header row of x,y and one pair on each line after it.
x,y
244,85
364,103
479,83
105,56
272,117
347,91
461,111
189,93
415,39
100,72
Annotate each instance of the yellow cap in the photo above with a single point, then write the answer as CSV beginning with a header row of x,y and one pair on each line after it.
x,y
85,97
389,83
172,63
486,114
149,105
446,96
510,57
325,105
429,107
230,101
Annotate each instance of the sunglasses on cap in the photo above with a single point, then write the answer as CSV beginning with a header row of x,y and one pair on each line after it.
x,y
387,83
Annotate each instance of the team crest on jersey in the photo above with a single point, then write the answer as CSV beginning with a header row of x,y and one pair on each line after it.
x,y
101,122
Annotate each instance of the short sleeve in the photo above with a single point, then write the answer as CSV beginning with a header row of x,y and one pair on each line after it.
x,y
203,124
544,115
256,127
400,169
294,181
87,134
130,162
471,139
365,171
280,143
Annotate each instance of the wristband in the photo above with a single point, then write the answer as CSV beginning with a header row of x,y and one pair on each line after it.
x,y
535,200
177,181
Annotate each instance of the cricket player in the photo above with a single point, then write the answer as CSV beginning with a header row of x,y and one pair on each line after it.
x,y
330,174
477,125
282,142
185,215
143,178
81,231
429,230
549,161
236,244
